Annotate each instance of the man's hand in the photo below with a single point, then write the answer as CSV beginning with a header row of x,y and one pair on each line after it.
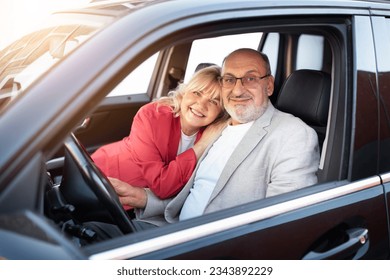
x,y
129,195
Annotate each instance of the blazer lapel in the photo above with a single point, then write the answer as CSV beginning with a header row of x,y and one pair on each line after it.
x,y
244,148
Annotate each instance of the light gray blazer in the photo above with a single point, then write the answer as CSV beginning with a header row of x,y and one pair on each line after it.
x,y
278,154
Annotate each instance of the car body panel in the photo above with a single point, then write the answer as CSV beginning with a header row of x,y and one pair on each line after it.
x,y
381,25
285,224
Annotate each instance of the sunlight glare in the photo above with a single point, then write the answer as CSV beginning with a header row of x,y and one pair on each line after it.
x,y
19,17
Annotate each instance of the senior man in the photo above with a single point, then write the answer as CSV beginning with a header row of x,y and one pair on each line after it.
x,y
262,152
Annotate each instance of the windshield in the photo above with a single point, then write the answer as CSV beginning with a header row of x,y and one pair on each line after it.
x,y
25,60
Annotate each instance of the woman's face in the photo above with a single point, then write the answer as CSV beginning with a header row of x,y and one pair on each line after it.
x,y
198,109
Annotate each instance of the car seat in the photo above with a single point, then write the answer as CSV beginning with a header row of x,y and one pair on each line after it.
x,y
306,94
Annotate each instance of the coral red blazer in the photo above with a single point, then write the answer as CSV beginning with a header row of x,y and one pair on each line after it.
x,y
148,156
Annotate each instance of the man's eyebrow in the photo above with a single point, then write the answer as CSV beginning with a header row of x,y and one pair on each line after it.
x,y
227,74
246,73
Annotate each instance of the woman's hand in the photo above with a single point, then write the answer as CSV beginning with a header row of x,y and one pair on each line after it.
x,y
129,195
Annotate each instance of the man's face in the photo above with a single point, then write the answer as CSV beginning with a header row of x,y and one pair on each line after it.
x,y
247,102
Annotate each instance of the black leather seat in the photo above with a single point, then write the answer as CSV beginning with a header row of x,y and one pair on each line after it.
x,y
306,95
203,65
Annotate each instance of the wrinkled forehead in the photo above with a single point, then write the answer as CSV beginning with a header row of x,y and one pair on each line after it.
x,y
243,63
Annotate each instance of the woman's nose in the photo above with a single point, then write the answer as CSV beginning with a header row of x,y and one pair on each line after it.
x,y
203,101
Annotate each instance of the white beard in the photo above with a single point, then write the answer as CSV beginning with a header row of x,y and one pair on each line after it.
x,y
245,113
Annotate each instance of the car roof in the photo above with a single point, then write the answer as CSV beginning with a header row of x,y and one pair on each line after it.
x,y
217,5
111,6
130,5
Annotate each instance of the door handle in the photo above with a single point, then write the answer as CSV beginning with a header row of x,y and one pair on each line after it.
x,y
84,125
356,245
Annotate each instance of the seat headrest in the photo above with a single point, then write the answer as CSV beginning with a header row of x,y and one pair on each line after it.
x,y
203,65
306,95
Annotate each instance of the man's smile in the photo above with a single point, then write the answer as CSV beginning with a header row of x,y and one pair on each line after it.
x,y
239,98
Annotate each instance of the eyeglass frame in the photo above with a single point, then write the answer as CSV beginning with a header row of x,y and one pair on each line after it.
x,y
220,79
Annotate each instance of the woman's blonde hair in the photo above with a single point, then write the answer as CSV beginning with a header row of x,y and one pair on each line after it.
x,y
204,80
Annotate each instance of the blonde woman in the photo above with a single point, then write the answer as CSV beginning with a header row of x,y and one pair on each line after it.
x,y
167,137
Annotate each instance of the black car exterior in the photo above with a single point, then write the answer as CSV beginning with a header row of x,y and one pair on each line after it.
x,y
344,216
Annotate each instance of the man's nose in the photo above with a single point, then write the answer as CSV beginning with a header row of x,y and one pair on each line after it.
x,y
238,87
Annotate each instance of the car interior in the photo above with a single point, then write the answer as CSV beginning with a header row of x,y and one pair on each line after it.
x,y
302,80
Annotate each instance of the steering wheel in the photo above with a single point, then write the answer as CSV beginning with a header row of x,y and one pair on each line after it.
x,y
88,189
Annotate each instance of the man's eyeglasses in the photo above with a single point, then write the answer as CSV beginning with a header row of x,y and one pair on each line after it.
x,y
249,81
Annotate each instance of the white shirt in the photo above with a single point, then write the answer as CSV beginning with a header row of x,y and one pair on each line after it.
x,y
211,168
186,142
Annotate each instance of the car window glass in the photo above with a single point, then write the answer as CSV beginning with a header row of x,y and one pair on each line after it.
x,y
23,61
214,50
384,101
310,52
138,80
271,47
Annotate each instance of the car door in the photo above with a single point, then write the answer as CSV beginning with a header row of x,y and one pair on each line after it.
x,y
349,225
381,27
342,217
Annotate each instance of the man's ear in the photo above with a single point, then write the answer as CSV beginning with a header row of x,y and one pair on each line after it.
x,y
270,85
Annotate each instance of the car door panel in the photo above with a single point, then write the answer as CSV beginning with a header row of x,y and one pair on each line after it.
x,y
309,223
290,232
111,121
318,228
381,29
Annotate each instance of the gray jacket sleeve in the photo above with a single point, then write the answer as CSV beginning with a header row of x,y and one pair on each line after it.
x,y
297,161
154,207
